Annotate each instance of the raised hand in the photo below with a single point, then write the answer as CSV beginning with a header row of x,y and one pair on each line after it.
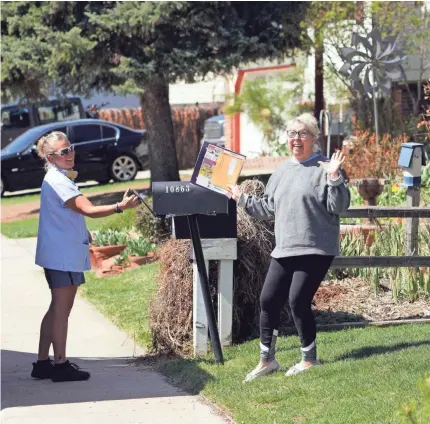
x,y
334,165
129,202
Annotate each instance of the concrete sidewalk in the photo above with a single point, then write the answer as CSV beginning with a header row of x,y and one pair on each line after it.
x,y
118,391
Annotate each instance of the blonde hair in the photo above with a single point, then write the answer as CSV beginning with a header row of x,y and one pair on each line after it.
x,y
311,124
46,145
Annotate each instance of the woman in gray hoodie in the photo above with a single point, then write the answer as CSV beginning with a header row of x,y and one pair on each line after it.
x,y
304,197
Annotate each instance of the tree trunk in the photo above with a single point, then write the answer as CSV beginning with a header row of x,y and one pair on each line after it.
x,y
158,123
319,81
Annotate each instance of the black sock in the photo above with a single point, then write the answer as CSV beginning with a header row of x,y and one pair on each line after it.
x,y
64,364
43,361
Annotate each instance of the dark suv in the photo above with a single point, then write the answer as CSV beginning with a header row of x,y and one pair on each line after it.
x,y
104,151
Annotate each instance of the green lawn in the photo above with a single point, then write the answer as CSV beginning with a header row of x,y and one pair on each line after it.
x,y
124,299
17,199
367,373
28,227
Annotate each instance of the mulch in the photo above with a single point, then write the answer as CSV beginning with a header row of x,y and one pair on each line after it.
x,y
352,299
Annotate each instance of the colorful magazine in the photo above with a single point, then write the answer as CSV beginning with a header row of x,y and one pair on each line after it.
x,y
216,168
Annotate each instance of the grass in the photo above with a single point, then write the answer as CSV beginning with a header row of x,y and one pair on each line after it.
x,y
124,299
29,227
19,199
367,374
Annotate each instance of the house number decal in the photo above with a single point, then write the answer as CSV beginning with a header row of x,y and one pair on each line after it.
x,y
177,189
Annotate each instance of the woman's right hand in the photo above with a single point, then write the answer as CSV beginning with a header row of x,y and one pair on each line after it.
x,y
129,202
236,192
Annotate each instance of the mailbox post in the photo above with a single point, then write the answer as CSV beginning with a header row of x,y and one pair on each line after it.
x,y
186,200
411,160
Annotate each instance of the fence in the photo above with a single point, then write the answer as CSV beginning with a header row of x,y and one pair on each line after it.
x,y
188,122
372,212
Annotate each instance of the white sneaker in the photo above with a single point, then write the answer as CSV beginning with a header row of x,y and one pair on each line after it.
x,y
300,367
258,371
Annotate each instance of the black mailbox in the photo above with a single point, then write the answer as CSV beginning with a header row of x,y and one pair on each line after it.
x,y
217,226
184,198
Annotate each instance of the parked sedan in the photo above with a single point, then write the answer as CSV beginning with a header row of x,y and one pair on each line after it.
x,y
104,151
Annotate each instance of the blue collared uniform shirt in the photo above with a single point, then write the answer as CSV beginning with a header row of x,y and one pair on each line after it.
x,y
63,240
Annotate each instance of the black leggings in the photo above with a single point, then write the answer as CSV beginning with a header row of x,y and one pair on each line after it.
x,y
297,279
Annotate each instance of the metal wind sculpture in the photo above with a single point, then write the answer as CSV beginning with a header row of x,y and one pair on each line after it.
x,y
377,60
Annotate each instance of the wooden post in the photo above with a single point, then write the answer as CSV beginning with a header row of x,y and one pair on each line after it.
x,y
200,320
224,251
411,245
225,301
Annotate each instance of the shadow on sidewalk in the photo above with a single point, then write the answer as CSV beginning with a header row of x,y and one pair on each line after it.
x,y
111,379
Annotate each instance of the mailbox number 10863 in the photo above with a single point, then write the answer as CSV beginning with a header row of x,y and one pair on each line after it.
x,y
177,189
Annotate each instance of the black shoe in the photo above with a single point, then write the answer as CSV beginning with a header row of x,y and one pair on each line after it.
x,y
68,371
42,369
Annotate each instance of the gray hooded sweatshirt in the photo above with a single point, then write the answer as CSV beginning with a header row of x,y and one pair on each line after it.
x,y
305,205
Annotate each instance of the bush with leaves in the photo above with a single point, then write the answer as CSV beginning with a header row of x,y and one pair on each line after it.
x,y
139,247
122,258
153,228
374,160
109,237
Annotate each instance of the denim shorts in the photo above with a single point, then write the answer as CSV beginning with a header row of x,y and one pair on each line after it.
x,y
57,279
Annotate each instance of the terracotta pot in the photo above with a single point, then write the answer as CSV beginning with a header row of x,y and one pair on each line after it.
x,y
100,253
141,260
369,189
367,230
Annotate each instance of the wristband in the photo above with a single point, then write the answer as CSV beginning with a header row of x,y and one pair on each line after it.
x,y
118,209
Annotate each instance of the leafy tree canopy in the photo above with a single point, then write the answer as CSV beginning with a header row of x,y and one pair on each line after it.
x,y
121,45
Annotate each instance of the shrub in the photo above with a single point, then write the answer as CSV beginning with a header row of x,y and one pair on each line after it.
x,y
122,258
409,282
153,228
109,237
139,247
369,160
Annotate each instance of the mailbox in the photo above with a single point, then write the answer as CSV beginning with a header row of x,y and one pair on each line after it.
x,y
185,198
411,159
210,226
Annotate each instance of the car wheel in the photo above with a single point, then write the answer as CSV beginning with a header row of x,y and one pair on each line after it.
x,y
124,168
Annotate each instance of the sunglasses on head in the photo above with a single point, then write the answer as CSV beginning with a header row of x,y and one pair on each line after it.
x,y
66,151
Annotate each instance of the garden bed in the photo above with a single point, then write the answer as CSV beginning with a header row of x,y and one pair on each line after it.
x,y
352,299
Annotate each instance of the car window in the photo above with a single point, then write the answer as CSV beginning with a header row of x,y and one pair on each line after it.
x,y
84,133
60,129
23,142
108,132
15,117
